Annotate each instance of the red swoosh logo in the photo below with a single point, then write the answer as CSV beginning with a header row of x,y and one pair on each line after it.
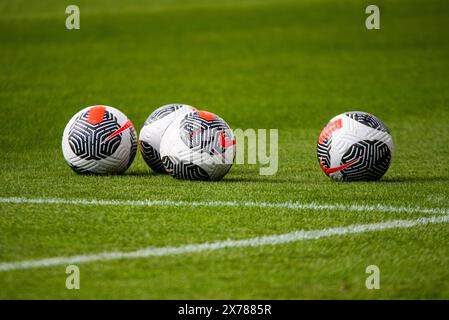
x,y
127,125
335,169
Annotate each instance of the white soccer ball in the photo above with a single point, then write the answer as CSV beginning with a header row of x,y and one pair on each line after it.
x,y
355,146
153,129
198,146
99,140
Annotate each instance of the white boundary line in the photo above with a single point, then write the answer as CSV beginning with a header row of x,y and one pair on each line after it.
x,y
194,248
279,205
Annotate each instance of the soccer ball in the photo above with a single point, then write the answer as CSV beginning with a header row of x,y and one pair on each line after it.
x,y
355,146
99,140
198,146
154,127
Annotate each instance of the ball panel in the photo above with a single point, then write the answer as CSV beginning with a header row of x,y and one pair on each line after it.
x,y
154,128
360,147
198,140
152,157
368,120
184,170
87,140
208,132
99,140
133,142
370,158
323,151
164,111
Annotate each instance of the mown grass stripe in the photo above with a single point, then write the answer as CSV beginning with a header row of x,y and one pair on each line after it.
x,y
281,205
195,248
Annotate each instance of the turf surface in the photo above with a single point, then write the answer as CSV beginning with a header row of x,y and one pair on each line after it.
x,y
286,65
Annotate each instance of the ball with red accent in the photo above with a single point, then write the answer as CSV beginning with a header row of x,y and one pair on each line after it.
x,y
99,140
153,129
198,146
355,146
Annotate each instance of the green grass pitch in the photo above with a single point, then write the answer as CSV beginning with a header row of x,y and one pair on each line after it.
x,y
287,65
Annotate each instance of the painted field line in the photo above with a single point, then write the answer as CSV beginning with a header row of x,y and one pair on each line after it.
x,y
194,248
280,205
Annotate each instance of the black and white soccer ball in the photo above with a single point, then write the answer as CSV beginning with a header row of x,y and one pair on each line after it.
x,y
355,146
154,128
198,146
99,140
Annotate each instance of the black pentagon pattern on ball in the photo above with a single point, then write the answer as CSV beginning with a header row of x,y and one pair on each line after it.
x,y
162,112
152,157
185,171
372,159
86,139
199,133
368,120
